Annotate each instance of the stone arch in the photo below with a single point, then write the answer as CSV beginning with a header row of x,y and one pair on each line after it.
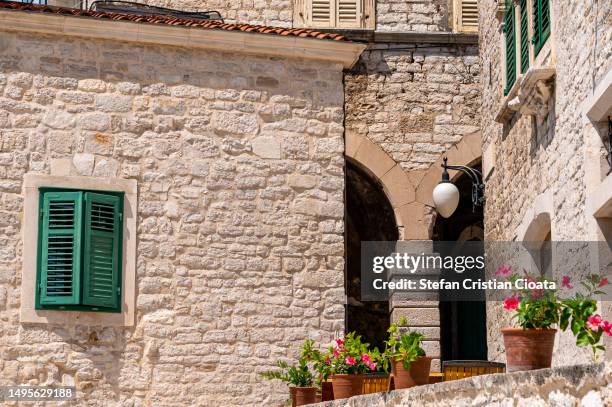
x,y
410,194
537,222
397,184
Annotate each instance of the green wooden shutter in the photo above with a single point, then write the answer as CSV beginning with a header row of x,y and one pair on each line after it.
x,y
524,36
541,23
510,31
102,250
60,246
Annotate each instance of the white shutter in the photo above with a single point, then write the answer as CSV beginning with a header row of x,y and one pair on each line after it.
x,y
322,13
336,13
348,13
467,15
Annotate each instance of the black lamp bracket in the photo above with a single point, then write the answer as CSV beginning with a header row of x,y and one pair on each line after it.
x,y
478,186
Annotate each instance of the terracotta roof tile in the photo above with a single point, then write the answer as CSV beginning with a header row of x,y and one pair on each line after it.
x,y
171,20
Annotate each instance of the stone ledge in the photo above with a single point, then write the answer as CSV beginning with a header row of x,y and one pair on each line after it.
x,y
442,38
529,95
568,385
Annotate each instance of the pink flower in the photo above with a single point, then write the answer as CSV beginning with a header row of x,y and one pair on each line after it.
x,y
336,353
350,361
566,282
339,342
372,366
365,358
606,327
594,322
604,281
511,303
503,271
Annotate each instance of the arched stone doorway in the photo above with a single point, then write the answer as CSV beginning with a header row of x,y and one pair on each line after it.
x,y
463,333
369,217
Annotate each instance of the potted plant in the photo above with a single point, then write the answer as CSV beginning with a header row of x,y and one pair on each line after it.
x,y
349,359
404,351
299,378
539,310
322,365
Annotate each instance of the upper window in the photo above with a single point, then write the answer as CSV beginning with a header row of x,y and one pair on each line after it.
x,y
335,13
79,250
541,23
519,23
465,14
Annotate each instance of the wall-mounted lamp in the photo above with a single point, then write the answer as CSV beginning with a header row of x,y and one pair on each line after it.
x,y
446,194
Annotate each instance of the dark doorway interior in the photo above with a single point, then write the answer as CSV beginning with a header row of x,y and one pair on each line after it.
x,y
369,217
463,331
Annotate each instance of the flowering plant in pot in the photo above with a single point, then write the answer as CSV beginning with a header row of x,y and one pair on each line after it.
x,y
322,366
298,377
349,359
404,351
539,310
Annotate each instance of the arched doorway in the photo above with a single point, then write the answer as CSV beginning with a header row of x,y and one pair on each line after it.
x,y
463,333
369,217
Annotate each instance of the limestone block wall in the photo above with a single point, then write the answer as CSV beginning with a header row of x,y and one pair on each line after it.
x,y
239,163
413,15
415,101
277,13
531,158
391,15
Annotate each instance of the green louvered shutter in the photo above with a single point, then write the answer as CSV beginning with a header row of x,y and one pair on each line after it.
x,y
541,23
102,250
60,247
510,31
524,40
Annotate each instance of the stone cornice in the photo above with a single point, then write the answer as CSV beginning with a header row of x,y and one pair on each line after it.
x,y
372,36
340,52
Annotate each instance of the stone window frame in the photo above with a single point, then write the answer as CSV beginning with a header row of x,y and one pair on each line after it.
x,y
28,314
536,228
302,16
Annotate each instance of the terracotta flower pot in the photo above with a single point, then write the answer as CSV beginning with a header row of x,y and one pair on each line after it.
x,y
528,349
347,385
417,375
327,391
301,396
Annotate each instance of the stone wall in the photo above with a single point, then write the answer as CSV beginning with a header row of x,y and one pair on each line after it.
x,y
530,157
239,163
391,15
585,385
414,100
412,15
277,13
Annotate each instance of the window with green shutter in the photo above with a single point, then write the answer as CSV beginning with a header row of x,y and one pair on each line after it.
x,y
541,24
79,250
510,40
524,38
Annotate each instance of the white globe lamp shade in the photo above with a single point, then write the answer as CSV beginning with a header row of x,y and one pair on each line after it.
x,y
446,198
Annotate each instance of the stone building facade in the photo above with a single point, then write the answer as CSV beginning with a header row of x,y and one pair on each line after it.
x,y
238,162
239,155
545,150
